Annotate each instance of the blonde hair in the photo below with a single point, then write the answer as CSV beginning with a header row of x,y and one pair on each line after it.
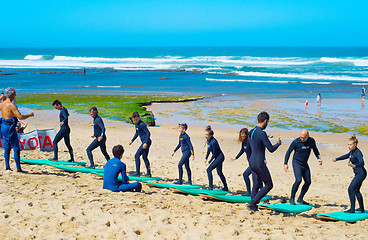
x,y
354,139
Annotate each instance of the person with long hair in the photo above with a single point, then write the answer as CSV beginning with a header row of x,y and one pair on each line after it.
x,y
187,150
356,162
216,160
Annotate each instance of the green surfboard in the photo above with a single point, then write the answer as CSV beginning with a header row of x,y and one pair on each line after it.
x,y
197,191
286,207
346,217
170,185
232,198
78,169
48,162
133,178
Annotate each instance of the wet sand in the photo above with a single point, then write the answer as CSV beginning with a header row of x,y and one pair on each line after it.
x,y
47,203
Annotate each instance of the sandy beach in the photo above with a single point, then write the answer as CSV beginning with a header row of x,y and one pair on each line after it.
x,y
47,203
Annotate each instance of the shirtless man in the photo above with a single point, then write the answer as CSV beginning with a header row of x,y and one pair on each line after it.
x,y
10,115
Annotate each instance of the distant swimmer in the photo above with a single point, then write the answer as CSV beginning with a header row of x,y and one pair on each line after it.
x,y
113,168
10,115
99,134
144,134
302,147
21,126
64,131
357,163
216,160
84,71
256,144
363,93
187,149
319,100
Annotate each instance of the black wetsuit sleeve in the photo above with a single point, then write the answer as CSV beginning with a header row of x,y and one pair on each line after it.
x,y
135,135
359,156
346,156
64,115
101,125
249,150
177,147
287,155
208,151
268,144
315,149
240,152
187,139
123,174
148,134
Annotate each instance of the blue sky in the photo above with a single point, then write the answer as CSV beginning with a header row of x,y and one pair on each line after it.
x,y
91,23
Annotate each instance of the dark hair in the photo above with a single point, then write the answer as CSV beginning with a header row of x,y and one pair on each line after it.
x,y
135,114
93,109
209,130
354,139
56,102
183,125
262,117
243,131
117,151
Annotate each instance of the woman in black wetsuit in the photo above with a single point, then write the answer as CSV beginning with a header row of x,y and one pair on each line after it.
x,y
357,163
216,160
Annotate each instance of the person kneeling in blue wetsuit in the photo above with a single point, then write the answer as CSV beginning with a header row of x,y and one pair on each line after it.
x,y
113,168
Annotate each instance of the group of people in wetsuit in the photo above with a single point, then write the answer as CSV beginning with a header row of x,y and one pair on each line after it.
x,y
253,143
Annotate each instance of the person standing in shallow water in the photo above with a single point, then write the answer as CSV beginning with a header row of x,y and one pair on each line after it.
x,y
64,131
302,147
144,134
363,93
99,134
319,100
8,123
217,159
357,163
187,150
257,144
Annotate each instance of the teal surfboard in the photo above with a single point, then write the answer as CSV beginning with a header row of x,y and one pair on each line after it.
x,y
78,169
48,162
346,217
170,185
286,207
197,191
133,178
232,198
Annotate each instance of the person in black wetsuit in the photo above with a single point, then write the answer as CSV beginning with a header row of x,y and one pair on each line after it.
x,y
302,147
113,168
357,163
216,160
256,144
99,134
63,133
243,136
187,150
144,134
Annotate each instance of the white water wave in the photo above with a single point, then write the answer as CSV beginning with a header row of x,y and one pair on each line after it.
x,y
302,76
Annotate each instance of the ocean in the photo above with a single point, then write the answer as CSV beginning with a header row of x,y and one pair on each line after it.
x,y
238,77
270,71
